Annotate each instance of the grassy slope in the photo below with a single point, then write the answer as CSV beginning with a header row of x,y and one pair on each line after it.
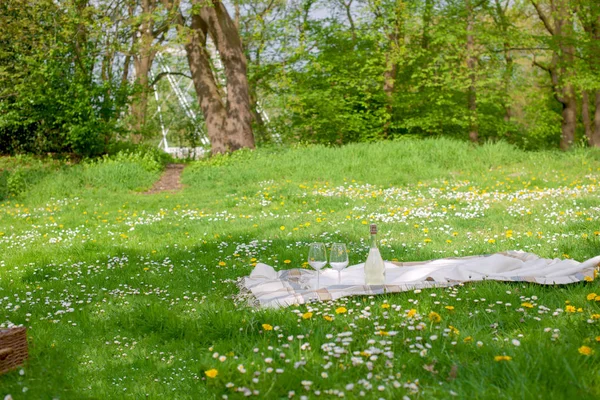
x,y
124,294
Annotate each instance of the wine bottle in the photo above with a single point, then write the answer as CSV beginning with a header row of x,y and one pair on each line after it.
x,y
374,266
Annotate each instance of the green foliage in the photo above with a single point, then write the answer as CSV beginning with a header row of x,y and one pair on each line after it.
x,y
327,83
51,100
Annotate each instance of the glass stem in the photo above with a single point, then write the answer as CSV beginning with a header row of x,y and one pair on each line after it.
x,y
339,277
318,279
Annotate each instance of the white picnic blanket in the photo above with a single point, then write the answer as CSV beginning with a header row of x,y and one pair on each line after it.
x,y
270,288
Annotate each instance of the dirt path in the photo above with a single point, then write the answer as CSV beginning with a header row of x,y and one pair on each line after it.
x,y
170,181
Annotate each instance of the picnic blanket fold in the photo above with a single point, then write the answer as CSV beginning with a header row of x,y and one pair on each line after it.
x,y
270,288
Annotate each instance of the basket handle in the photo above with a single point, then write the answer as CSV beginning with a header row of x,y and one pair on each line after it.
x,y
4,353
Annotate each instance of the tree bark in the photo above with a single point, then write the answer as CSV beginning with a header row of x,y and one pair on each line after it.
x,y
142,63
569,119
585,116
205,85
229,120
426,23
391,62
596,133
559,24
589,17
503,23
139,106
471,67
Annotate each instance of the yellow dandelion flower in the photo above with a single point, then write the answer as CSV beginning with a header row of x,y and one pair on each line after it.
x,y
411,313
502,358
427,240
328,318
385,305
591,296
434,317
340,310
211,373
527,305
492,241
454,330
468,339
267,327
287,261
585,350
384,333
282,228
588,278
597,338
595,316
570,309
449,308
307,315
222,263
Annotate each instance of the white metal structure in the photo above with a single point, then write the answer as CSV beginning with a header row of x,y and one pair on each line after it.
x,y
176,83
183,100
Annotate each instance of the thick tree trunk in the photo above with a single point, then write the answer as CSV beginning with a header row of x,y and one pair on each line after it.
x,y
585,116
569,119
228,121
205,85
471,67
595,142
238,125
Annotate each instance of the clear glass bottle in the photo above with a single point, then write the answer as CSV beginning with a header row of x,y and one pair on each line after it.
x,y
374,266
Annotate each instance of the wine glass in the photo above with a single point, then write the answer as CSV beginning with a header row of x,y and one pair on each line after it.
x,y
317,257
338,259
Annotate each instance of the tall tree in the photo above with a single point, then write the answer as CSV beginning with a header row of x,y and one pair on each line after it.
x,y
227,115
501,19
588,12
150,21
391,16
472,71
557,18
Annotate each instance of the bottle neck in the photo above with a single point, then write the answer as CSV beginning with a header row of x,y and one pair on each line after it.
x,y
373,241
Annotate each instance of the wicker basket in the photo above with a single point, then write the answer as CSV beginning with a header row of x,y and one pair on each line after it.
x,y
13,348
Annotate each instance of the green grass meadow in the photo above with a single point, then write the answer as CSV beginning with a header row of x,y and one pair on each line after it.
x,y
128,295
